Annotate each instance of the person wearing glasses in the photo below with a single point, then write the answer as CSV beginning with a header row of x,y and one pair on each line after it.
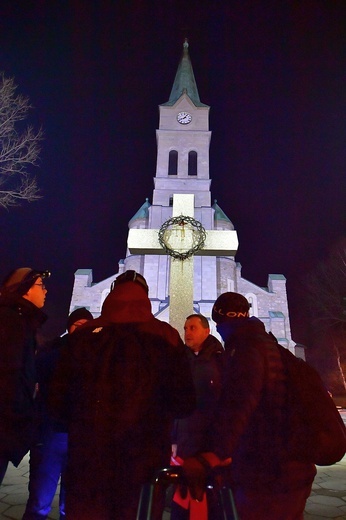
x,y
22,296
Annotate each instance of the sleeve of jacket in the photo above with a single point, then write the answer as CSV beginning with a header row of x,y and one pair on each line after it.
x,y
58,391
12,342
242,391
180,389
12,339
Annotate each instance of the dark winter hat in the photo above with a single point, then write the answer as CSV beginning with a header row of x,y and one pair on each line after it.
x,y
78,314
131,276
20,280
230,305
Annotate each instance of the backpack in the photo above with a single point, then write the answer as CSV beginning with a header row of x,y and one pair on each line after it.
x,y
315,430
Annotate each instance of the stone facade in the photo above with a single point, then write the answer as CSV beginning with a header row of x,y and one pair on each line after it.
x,y
183,167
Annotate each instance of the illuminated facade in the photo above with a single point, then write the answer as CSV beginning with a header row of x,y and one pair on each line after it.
x,y
183,140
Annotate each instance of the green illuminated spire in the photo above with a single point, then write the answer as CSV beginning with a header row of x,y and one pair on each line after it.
x,y
143,211
219,214
184,81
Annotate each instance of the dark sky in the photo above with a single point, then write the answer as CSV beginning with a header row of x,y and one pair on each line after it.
x,y
274,75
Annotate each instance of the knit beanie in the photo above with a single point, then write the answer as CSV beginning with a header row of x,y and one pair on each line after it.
x,y
19,281
78,314
230,305
131,276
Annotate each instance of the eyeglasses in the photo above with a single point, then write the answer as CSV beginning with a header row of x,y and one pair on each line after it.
x,y
41,285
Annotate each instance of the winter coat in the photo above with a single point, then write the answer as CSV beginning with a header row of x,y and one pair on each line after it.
x,y
193,434
251,419
47,359
123,380
19,320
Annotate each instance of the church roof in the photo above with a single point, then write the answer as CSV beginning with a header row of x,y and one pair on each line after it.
x,y
143,211
184,81
277,276
219,214
276,314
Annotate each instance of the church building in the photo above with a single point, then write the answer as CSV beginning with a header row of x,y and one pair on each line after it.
x,y
183,141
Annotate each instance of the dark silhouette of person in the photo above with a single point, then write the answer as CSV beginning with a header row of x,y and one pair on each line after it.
x,y
119,387
22,296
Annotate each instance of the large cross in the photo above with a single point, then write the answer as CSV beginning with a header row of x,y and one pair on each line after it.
x,y
181,239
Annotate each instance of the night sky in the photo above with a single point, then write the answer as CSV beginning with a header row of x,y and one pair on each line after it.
x,y
274,75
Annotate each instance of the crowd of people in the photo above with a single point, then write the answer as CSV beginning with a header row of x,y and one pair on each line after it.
x,y
116,398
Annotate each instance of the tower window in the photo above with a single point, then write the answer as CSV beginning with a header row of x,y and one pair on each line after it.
x,y
192,165
173,162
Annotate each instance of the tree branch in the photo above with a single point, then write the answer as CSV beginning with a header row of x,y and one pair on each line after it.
x,y
19,147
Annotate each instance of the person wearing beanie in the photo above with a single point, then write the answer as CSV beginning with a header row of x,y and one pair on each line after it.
x,y
48,456
131,276
128,379
22,296
77,318
250,423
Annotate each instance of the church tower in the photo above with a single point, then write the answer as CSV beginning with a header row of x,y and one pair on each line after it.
x,y
183,141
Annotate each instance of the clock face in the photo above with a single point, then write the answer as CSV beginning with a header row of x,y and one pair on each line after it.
x,y
184,118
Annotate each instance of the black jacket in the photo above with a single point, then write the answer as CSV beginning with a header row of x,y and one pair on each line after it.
x,y
120,384
47,359
193,434
251,422
19,320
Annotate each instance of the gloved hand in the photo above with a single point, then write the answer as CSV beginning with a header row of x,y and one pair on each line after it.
x,y
213,460
195,474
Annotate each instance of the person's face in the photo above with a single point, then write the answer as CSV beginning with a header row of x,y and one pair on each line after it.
x,y
37,293
195,334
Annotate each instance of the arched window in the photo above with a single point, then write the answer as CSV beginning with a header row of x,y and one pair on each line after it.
x,y
173,162
252,299
192,166
230,285
104,295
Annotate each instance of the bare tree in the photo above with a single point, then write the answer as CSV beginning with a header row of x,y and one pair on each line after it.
x,y
19,147
326,291
326,298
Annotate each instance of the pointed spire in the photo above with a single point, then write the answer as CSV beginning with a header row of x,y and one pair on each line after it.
x,y
143,211
184,81
219,214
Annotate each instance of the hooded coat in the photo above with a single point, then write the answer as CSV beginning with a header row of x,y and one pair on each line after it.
x,y
251,422
119,386
19,321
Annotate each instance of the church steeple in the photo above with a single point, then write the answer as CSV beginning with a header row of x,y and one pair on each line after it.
x,y
184,81
183,140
